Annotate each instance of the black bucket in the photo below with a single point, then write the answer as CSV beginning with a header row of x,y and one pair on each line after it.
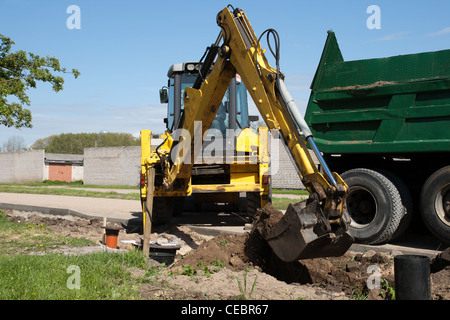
x,y
412,277
163,254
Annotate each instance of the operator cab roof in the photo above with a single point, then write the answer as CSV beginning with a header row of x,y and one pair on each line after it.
x,y
184,67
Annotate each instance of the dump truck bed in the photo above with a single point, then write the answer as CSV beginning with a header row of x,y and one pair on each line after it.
x,y
398,104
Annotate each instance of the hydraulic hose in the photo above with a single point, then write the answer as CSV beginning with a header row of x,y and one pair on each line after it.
x,y
303,126
293,109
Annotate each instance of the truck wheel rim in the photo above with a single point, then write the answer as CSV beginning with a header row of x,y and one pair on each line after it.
x,y
442,204
361,206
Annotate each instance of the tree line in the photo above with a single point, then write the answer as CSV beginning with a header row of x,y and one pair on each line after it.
x,y
73,143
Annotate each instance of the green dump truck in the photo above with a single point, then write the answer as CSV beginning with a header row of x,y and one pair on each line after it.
x,y
384,126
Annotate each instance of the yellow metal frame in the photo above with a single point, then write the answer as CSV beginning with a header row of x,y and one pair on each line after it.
x,y
202,104
246,171
260,82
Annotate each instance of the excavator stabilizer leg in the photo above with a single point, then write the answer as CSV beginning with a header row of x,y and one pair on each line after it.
x,y
299,233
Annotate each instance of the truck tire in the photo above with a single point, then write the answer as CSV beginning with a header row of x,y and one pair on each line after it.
x,y
435,204
407,202
374,205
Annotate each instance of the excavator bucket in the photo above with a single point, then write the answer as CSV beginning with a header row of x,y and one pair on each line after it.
x,y
299,233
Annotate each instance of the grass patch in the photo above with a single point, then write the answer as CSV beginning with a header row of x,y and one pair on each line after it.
x,y
68,192
243,289
43,188
23,238
282,203
296,192
60,183
54,276
77,184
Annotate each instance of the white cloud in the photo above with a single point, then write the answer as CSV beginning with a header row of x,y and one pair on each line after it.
x,y
392,36
439,33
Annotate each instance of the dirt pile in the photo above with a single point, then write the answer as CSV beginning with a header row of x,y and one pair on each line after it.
x,y
269,217
350,273
240,252
353,273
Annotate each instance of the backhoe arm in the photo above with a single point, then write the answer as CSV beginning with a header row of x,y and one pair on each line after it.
x,y
241,53
266,86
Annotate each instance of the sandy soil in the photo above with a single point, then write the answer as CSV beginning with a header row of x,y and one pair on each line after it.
x,y
239,266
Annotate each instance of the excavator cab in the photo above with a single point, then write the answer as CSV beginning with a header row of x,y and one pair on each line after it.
x,y
232,113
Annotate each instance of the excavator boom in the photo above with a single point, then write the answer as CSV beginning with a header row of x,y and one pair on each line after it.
x,y
313,229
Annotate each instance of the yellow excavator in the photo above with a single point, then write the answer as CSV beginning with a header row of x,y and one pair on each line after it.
x,y
317,228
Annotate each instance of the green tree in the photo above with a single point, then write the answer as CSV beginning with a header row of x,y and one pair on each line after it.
x,y
74,143
20,71
42,143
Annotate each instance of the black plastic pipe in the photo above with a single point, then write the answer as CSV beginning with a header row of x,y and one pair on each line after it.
x,y
412,277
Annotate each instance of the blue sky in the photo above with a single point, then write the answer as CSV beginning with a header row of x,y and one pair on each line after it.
x,y
124,49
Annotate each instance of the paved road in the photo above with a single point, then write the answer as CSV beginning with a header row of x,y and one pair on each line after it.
x,y
213,223
113,209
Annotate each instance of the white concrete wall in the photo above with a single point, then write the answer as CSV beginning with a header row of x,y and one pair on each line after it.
x,y
112,166
25,166
115,166
77,173
285,175
121,166
46,172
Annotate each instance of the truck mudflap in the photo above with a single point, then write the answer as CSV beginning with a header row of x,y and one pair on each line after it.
x,y
299,234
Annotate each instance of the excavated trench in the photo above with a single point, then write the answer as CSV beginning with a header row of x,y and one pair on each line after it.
x,y
239,252
348,273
